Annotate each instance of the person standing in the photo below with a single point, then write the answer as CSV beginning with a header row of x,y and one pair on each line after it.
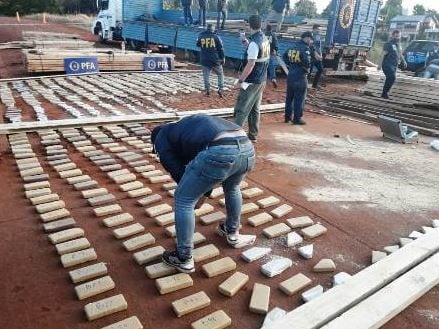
x,y
316,55
202,12
298,59
277,13
272,65
212,58
221,8
253,78
187,12
391,58
200,152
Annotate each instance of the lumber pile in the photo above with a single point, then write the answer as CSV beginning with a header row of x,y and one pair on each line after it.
x,y
52,60
37,35
376,294
296,30
414,101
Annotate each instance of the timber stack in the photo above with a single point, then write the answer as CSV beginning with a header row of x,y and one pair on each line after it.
x,y
414,101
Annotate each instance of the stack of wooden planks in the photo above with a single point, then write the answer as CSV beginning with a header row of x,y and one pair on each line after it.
x,y
376,294
52,60
37,35
414,101
296,30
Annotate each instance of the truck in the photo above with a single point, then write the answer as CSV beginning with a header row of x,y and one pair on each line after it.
x,y
349,36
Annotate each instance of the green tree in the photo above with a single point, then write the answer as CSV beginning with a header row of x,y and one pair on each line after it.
x,y
391,9
306,8
419,10
249,6
326,13
9,7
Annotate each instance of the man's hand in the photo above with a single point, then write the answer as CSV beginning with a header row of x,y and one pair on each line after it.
x,y
404,64
223,61
200,202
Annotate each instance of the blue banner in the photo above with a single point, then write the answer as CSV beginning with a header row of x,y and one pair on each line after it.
x,y
81,65
344,22
157,64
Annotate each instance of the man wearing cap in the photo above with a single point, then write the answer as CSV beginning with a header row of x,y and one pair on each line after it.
x,y
316,55
298,59
253,78
212,58
200,152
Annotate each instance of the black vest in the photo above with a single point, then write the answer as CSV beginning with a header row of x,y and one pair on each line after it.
x,y
259,72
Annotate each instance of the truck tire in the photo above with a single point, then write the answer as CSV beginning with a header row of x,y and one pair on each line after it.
x,y
99,32
135,44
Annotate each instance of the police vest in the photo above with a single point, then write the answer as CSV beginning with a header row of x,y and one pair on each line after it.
x,y
259,72
210,45
298,59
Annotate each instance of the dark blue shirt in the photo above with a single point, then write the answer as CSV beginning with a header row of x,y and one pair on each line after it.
x,y
178,143
212,51
202,3
272,38
317,43
280,5
298,60
393,49
259,72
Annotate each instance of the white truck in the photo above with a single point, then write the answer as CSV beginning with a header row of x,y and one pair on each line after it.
x,y
108,22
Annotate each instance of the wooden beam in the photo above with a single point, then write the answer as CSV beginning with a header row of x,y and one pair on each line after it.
x,y
365,283
31,126
379,308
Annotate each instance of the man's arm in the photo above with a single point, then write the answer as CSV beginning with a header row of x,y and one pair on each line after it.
x,y
247,69
305,57
172,163
199,42
220,49
274,42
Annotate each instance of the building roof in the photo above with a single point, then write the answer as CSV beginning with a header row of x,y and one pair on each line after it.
x,y
411,19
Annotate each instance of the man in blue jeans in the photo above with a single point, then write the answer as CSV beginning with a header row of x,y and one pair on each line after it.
x,y
200,152
212,58
187,12
274,48
202,12
392,56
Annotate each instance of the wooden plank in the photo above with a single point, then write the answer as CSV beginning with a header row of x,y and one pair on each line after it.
x,y
339,299
382,306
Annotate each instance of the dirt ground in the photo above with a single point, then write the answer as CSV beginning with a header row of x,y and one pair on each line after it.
x,y
368,192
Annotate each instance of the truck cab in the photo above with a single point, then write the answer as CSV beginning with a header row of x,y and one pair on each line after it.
x,y
108,22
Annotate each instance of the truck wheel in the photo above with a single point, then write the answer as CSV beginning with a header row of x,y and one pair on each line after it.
x,y
134,44
99,32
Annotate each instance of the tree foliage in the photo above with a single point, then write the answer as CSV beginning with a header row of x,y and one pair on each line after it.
x,y
326,13
391,9
10,7
306,8
419,10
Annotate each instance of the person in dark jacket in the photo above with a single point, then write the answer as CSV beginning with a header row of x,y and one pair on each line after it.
x,y
200,152
221,8
212,58
316,55
298,59
187,12
391,58
272,65
202,12
279,8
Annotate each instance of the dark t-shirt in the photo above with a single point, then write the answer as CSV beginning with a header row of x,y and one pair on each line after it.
x,y
393,49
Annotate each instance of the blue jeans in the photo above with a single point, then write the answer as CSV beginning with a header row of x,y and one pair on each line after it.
x,y
319,67
225,164
390,73
272,65
221,15
202,16
218,70
187,11
296,96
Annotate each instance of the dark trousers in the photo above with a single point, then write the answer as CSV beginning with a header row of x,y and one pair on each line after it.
x,y
319,66
296,95
223,14
202,16
390,73
187,11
